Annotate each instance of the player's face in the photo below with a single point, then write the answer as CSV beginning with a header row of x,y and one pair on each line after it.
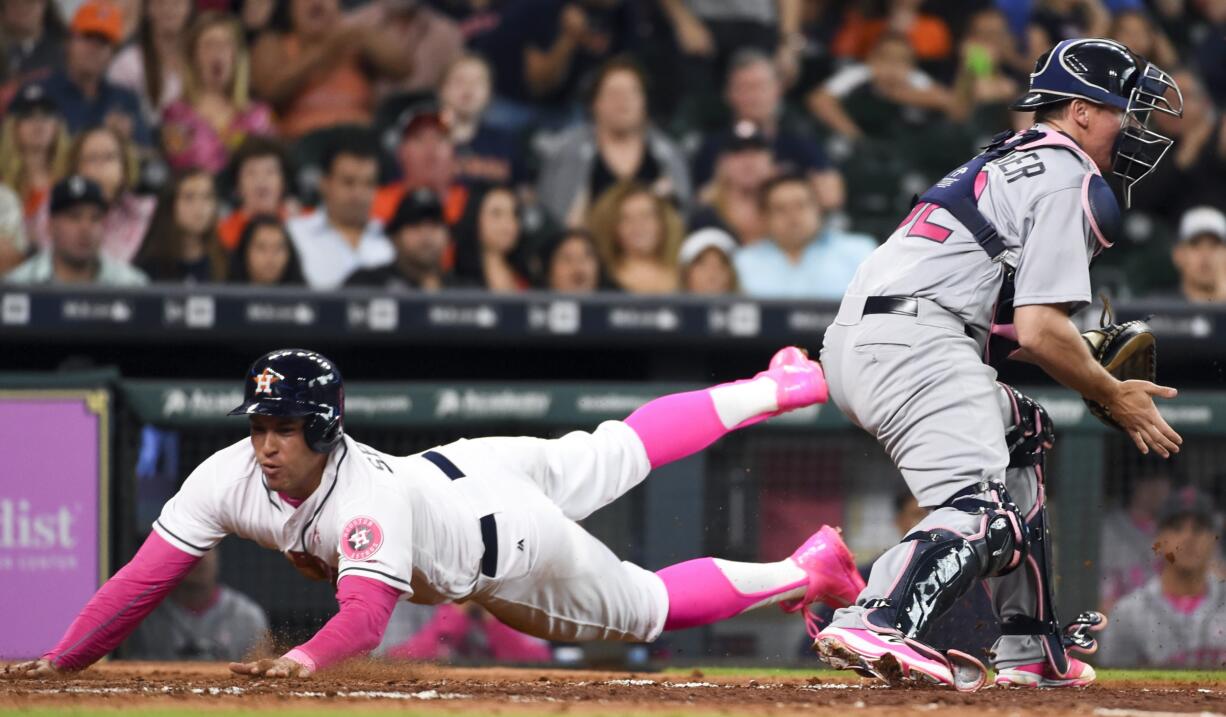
x,y
1102,126
288,464
1186,545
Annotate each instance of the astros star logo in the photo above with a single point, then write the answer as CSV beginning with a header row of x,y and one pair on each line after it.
x,y
264,382
361,538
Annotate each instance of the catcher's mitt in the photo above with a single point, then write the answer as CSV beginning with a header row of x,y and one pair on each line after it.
x,y
1127,351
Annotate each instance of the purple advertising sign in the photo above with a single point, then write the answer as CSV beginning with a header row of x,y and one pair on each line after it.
x,y
53,512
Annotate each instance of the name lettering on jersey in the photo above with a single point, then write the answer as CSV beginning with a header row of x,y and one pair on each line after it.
x,y
264,382
361,538
1021,165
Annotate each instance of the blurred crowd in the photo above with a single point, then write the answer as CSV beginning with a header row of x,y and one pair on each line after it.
x,y
760,147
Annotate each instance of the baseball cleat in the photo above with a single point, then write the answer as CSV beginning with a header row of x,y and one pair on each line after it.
x,y
833,577
1040,674
886,657
800,380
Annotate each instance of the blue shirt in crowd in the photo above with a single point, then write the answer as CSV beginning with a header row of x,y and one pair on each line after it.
x,y
824,271
81,113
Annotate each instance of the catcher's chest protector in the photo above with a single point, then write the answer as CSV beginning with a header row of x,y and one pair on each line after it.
x,y
958,193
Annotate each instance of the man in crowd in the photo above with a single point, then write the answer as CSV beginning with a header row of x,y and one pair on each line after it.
x,y
798,259
81,91
1178,619
1200,255
427,159
201,620
1126,561
342,236
74,255
420,237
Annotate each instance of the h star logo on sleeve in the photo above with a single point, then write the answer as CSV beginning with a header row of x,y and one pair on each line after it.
x,y
264,382
361,538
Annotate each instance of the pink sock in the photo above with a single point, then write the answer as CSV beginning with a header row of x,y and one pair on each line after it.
x,y
708,590
681,424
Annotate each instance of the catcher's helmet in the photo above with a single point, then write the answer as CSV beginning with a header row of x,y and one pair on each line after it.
x,y
298,383
1108,73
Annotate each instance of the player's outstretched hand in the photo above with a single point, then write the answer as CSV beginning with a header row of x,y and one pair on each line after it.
x,y
31,669
1133,408
278,667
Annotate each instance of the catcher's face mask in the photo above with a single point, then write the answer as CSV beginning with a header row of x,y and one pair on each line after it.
x,y
1138,149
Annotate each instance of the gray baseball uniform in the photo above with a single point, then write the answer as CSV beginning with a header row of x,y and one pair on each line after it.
x,y
919,383
1148,630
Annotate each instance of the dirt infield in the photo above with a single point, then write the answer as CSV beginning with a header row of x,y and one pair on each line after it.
x,y
414,688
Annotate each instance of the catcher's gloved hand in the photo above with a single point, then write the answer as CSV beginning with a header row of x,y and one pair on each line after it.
x,y
1129,352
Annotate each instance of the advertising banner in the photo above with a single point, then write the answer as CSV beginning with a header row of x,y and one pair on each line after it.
x,y
54,499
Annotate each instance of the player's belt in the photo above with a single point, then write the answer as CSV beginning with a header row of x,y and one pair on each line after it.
x,y
900,305
489,528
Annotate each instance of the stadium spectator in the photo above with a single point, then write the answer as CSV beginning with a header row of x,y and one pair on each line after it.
x,y
216,113
754,93
732,201
544,50
1210,52
104,155
926,34
709,32
426,159
483,153
256,16
467,632
74,254
151,68
260,173
432,40
80,90
867,99
489,248
800,259
182,242
1126,558
1199,256
572,264
31,40
319,69
1136,30
201,619
1065,19
342,236
265,255
1195,172
983,84
1178,619
33,148
638,234
420,236
13,244
619,144
706,266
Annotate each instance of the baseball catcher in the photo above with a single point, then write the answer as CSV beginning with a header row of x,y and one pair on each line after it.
x,y
491,520
989,265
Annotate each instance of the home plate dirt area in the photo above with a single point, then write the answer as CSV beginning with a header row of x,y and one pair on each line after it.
x,y
359,688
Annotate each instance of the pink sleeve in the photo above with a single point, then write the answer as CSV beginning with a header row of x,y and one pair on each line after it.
x,y
366,606
121,603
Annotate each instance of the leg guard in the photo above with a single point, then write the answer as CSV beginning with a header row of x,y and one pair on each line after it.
x,y
944,564
1029,439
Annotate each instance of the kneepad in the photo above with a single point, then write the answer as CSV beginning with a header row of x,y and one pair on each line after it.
x,y
944,564
1032,433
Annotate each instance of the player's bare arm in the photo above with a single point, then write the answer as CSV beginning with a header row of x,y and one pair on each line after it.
x,y
1050,341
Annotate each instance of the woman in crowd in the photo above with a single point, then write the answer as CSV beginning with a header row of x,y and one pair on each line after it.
x,y
182,241
638,235
105,155
705,262
572,264
618,145
152,67
262,178
489,250
34,147
265,255
216,111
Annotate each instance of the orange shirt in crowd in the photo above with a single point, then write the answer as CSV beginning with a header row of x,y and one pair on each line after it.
x,y
230,229
929,35
388,198
341,94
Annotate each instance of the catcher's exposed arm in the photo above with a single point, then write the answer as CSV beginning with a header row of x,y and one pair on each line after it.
x,y
1052,342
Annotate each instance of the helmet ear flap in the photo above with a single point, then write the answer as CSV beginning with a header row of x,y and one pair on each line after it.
x,y
322,434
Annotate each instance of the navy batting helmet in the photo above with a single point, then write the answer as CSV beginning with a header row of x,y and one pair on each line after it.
x,y
298,383
1108,73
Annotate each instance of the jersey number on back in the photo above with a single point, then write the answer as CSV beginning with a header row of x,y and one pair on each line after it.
x,y
921,227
